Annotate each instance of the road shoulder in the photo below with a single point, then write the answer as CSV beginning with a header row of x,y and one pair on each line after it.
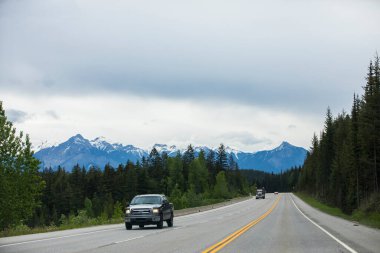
x,y
359,237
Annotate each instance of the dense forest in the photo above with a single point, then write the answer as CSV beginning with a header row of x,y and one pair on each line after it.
x,y
188,181
286,181
342,167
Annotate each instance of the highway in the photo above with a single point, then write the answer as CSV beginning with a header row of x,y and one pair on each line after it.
x,y
279,223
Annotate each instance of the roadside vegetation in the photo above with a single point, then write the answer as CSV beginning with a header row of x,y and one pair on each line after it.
x,y
342,168
362,215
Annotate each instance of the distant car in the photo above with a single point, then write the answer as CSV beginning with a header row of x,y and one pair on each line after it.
x,y
149,209
260,194
276,193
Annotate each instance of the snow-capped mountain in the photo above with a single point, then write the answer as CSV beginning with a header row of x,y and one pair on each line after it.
x,y
98,152
283,157
170,150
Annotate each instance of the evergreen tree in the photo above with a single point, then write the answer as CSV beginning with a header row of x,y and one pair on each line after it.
x,y
176,178
346,156
131,184
188,157
77,179
369,128
221,159
211,167
356,175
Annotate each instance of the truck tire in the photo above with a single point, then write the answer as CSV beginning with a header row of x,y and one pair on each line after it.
x,y
170,221
128,226
160,224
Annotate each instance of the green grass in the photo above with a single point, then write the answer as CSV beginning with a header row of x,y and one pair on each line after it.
x,y
25,230
369,219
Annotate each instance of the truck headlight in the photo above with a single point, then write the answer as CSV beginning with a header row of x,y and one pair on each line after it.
x,y
127,211
156,210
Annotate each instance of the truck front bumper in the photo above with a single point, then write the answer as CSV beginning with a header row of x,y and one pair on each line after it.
x,y
142,220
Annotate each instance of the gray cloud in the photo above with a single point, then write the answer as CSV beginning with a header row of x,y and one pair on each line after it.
x,y
52,114
298,56
16,116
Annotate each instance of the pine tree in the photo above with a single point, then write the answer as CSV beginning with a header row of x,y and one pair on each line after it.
x,y
187,158
369,129
356,175
211,167
176,179
326,156
221,159
78,186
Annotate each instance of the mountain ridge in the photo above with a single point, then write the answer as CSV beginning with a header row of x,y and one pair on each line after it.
x,y
98,152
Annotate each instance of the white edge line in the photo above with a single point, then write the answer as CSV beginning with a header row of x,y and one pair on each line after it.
x,y
55,238
324,230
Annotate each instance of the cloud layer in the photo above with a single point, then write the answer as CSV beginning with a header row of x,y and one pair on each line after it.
x,y
291,58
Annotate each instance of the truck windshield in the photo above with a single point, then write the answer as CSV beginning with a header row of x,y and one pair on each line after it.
x,y
146,200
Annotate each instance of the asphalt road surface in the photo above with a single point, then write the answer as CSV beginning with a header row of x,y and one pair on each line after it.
x,y
279,223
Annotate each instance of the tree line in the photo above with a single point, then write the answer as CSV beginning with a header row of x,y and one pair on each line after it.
x,y
188,180
342,167
285,181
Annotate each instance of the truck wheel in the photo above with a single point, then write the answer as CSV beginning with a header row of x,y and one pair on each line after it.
x,y
141,226
128,226
170,221
160,224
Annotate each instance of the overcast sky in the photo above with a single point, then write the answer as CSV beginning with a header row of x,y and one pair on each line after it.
x,y
249,74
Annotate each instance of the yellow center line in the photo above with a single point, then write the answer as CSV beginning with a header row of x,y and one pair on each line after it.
x,y
218,246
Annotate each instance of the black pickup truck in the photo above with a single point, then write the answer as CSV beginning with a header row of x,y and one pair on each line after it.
x,y
149,209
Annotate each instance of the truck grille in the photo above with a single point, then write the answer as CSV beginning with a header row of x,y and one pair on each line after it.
x,y
140,211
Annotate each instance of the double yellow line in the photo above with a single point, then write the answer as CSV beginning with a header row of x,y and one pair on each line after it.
x,y
220,245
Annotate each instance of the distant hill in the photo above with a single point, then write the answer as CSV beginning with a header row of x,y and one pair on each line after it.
x,y
98,152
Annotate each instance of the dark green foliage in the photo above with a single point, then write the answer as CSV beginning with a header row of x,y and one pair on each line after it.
x,y
342,167
221,159
20,183
79,196
284,182
221,187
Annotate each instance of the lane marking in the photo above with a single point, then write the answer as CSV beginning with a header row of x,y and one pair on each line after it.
x,y
218,246
55,238
324,230
130,239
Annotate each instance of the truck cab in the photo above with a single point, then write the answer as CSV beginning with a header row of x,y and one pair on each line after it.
x,y
260,194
